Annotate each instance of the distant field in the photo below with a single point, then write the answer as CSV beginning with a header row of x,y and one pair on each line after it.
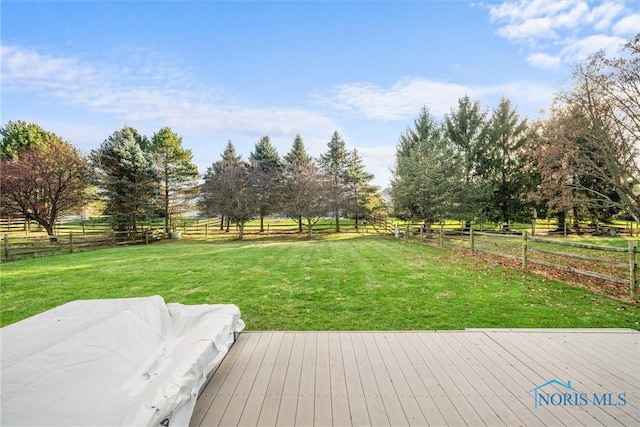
x,y
339,282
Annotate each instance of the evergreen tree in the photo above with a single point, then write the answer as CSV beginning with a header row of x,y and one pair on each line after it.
x,y
358,181
178,175
266,176
504,158
19,135
126,177
302,185
427,172
334,165
464,127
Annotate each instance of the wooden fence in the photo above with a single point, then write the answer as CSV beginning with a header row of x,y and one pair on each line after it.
x,y
612,264
16,247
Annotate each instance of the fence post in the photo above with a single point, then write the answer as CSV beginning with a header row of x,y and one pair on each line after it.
x,y
472,240
6,247
71,242
633,269
441,234
524,249
113,237
206,228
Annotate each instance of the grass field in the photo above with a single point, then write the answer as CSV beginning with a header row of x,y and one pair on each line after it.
x,y
340,282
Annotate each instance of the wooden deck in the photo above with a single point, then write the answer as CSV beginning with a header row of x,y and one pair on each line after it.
x,y
472,377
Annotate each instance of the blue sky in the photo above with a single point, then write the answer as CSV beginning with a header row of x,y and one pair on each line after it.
x,y
217,71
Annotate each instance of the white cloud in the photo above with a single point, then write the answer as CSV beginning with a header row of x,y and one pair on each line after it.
x,y
151,91
403,99
603,15
543,60
580,49
558,32
406,97
627,26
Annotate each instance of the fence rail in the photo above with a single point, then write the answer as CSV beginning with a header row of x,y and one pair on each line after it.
x,y
612,264
14,248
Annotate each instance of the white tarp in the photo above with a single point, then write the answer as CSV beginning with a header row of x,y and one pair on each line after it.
x,y
119,362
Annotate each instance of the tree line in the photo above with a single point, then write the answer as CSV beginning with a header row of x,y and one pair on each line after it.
x,y
474,165
137,178
581,163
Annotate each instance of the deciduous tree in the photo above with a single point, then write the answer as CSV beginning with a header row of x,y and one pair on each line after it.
x,y
44,181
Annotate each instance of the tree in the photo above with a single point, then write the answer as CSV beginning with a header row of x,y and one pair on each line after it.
x,y
126,177
295,164
213,197
334,164
44,181
427,172
464,127
17,136
605,101
504,162
307,193
358,182
552,152
228,189
178,175
266,177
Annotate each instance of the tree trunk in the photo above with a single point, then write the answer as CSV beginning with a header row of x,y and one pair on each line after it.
x,y
300,224
241,231
337,221
221,222
309,227
261,223
167,219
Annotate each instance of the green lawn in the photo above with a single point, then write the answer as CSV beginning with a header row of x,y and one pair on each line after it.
x,y
341,282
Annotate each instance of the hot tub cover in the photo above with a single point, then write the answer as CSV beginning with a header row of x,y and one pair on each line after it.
x,y
117,362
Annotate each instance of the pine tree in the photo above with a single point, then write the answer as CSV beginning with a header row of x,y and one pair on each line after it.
x,y
334,164
178,175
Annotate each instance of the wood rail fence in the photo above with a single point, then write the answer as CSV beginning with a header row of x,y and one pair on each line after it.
x,y
612,264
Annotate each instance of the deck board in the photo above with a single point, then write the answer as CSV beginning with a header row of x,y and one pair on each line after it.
x,y
472,377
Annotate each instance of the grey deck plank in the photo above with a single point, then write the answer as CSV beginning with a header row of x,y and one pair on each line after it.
x,y
492,377
271,403
425,370
504,370
305,409
323,410
497,411
242,391
355,392
585,377
441,368
537,370
389,394
414,380
226,390
291,387
340,413
211,390
474,377
372,394
412,411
